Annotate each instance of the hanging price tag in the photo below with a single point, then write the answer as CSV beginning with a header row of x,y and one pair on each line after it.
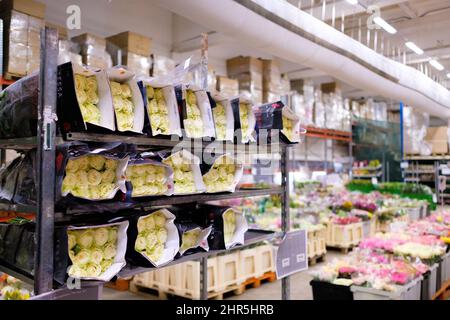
x,y
445,171
434,198
404,165
292,254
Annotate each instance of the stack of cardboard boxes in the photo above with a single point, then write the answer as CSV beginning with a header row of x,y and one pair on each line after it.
x,y
93,50
248,72
22,23
135,51
274,85
227,86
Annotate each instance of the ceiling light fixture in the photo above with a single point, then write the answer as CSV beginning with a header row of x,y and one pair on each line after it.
x,y
354,2
436,64
414,47
448,75
386,26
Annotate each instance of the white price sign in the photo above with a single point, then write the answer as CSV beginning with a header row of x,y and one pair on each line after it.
x,y
374,181
404,165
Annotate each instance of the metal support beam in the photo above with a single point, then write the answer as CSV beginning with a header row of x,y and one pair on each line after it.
x,y
285,216
204,278
46,160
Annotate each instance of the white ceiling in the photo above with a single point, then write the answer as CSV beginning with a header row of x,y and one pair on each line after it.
x,y
426,22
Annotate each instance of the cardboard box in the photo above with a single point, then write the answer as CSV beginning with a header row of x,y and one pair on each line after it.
x,y
29,7
132,42
297,85
271,70
239,65
269,96
227,86
249,81
62,31
330,87
437,137
88,39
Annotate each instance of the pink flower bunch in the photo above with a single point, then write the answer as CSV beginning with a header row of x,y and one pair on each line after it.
x,y
347,270
346,220
399,277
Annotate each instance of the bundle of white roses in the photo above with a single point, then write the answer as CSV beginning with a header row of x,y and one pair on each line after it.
x,y
194,123
92,251
157,111
91,177
229,225
288,129
220,121
244,110
87,96
221,175
152,236
183,176
147,179
123,105
189,239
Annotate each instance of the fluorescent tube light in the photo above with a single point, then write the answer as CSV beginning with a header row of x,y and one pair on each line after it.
x,y
436,64
414,47
354,2
386,26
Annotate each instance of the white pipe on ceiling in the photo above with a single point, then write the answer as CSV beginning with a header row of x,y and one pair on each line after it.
x,y
296,36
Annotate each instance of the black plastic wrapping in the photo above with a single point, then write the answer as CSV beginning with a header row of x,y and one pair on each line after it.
x,y
132,256
77,149
269,121
12,238
212,215
18,108
181,101
184,222
25,192
69,114
8,179
24,259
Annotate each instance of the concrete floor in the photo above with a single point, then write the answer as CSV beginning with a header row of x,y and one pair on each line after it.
x,y
300,288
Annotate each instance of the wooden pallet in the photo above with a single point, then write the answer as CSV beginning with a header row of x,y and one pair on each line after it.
x,y
165,294
443,293
119,285
236,289
256,282
319,258
344,250
12,76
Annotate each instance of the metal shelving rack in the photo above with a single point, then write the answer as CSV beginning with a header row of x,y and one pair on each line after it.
x,y
414,173
46,142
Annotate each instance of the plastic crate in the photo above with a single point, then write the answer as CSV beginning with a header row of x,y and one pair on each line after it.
x,y
385,226
230,270
443,272
369,227
265,259
410,291
190,285
429,284
328,291
424,211
174,277
144,279
311,244
344,236
414,213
